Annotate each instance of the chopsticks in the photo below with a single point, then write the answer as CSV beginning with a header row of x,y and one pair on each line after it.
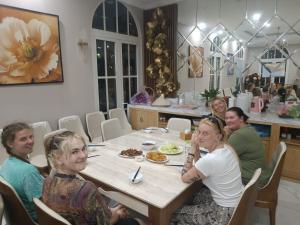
x,y
91,156
133,179
95,145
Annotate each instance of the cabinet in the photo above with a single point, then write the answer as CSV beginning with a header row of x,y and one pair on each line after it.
x,y
142,118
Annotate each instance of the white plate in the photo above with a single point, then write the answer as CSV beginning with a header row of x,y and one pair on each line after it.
x,y
130,157
138,178
179,150
154,161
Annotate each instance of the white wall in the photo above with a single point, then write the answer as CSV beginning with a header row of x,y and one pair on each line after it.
x,y
76,95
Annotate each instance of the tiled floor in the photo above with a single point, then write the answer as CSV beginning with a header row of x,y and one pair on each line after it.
x,y
288,208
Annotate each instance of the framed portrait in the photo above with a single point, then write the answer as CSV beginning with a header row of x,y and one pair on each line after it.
x,y
195,62
30,51
230,64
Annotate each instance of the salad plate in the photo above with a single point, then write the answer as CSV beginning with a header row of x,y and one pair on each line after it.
x,y
170,149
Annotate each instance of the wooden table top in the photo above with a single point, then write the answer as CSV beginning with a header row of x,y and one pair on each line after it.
x,y
161,184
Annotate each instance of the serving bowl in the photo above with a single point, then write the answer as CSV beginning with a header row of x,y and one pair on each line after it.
x,y
148,145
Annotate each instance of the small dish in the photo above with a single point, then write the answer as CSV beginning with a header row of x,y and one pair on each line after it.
x,y
148,145
140,158
137,179
147,130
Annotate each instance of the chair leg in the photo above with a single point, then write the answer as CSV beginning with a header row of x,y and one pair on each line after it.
x,y
272,215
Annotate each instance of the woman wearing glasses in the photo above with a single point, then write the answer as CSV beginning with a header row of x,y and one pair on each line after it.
x,y
17,138
220,173
65,192
247,144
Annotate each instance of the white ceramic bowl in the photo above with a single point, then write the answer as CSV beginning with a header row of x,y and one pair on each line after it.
x,y
148,145
148,131
138,178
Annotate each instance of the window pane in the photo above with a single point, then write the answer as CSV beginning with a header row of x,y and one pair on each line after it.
x,y
125,59
122,18
102,95
98,18
133,83
132,26
100,58
132,59
126,89
112,96
110,15
110,58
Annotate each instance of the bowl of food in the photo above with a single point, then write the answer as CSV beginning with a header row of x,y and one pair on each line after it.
x,y
148,145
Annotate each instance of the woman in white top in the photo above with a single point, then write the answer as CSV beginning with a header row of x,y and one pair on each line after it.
x,y
220,173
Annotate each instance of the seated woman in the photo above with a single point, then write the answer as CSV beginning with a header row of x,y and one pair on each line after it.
x,y
65,192
247,144
220,173
17,138
218,108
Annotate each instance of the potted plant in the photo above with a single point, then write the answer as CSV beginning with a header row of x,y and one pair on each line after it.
x,y
209,95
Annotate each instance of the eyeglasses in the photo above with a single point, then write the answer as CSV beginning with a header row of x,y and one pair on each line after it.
x,y
215,121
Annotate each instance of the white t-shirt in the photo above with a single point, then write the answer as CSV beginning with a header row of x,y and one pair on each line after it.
x,y
223,176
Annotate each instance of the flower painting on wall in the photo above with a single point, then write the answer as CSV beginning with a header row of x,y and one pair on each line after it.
x,y
29,47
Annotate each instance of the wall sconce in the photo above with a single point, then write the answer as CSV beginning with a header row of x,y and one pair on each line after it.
x,y
82,43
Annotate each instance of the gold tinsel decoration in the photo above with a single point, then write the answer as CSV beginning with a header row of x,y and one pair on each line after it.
x,y
156,43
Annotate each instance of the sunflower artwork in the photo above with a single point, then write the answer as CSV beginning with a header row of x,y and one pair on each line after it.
x,y
29,47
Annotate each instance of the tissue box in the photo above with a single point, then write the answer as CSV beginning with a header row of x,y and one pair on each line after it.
x,y
185,136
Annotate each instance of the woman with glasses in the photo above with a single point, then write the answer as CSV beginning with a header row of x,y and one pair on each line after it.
x,y
220,173
17,139
65,192
247,144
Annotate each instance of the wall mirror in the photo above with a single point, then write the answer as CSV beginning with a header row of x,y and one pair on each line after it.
x,y
238,38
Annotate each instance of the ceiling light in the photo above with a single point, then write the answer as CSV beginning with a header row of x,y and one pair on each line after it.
x,y
256,17
202,26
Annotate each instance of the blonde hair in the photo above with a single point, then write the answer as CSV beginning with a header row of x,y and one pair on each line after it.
x,y
58,144
212,108
216,124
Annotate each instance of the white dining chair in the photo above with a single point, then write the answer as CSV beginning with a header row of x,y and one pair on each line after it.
x,y
93,123
179,124
111,129
74,124
38,157
120,114
3,153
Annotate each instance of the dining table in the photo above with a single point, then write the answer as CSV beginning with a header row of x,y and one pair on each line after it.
x,y
161,190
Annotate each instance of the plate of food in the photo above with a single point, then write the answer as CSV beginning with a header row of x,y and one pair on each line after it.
x,y
170,149
130,153
156,157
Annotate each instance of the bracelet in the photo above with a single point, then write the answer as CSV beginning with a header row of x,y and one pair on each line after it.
x,y
191,154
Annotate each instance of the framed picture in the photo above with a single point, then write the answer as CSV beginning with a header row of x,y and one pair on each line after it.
x,y
230,64
195,61
30,51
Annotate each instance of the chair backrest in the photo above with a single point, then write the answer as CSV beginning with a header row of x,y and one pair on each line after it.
x,y
120,114
39,131
93,123
3,153
245,205
46,216
73,123
14,210
111,129
179,124
277,165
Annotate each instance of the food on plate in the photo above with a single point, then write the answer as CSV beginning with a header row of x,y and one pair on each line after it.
x,y
131,152
156,156
170,149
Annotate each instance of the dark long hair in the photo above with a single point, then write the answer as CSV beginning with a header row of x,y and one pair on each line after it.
x,y
239,112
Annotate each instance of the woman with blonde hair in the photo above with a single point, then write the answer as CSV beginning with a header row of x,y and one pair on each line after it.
x,y
219,171
218,108
68,194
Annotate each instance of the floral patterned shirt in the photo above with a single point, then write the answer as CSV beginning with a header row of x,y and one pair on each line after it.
x,y
75,199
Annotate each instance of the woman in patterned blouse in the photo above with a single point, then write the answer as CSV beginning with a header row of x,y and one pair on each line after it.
x,y
65,192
